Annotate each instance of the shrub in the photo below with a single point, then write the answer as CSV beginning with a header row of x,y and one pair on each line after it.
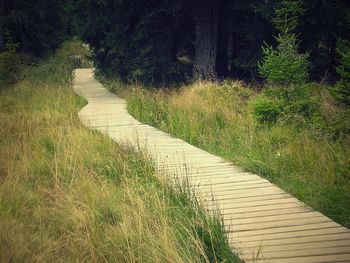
x,y
10,68
302,101
38,26
266,109
341,91
294,101
10,63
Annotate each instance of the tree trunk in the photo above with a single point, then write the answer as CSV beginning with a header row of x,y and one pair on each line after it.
x,y
206,22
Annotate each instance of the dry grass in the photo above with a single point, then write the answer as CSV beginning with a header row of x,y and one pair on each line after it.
x,y
70,194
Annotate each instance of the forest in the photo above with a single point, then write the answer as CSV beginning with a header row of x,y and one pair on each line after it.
x,y
262,84
166,41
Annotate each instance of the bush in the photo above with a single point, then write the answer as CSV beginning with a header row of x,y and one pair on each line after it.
x,y
38,26
266,109
10,63
10,68
341,91
294,101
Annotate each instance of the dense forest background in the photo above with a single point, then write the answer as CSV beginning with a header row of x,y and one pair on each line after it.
x,y
161,41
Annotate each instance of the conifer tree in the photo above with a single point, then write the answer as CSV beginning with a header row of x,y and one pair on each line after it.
x,y
284,65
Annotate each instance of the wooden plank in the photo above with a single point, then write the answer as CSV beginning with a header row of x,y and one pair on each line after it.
x,y
275,243
231,187
227,192
297,253
309,259
238,237
264,209
234,205
325,255
225,181
272,218
278,224
253,194
236,176
274,230
244,199
305,246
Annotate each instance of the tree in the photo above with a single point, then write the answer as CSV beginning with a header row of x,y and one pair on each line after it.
x,y
322,24
158,41
206,24
38,26
135,40
250,26
285,65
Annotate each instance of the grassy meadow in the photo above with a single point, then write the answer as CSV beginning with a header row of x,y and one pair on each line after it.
x,y
68,194
309,158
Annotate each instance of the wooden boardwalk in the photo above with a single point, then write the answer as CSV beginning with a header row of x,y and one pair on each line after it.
x,y
264,223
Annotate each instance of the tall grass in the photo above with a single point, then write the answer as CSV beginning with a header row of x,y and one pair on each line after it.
x,y
71,194
301,159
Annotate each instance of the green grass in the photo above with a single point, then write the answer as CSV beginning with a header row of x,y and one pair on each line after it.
x,y
71,194
309,159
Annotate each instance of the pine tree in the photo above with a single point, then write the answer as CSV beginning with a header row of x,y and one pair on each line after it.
x,y
285,65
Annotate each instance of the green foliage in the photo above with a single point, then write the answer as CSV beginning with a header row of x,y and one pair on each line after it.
x,y
341,90
323,23
251,26
152,41
297,100
266,109
39,26
284,65
287,13
10,68
320,24
293,102
10,63
134,40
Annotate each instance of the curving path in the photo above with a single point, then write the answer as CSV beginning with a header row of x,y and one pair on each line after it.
x,y
264,223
